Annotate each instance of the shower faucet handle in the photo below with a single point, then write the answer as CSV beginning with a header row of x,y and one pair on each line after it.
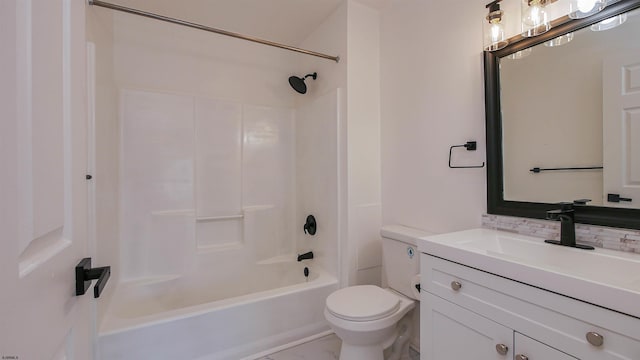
x,y
310,225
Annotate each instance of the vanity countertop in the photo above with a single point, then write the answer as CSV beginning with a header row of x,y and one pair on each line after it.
x,y
606,278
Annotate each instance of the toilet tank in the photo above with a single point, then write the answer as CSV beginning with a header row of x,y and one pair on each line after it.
x,y
400,257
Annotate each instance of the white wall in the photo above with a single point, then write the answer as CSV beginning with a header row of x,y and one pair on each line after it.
x,y
155,55
431,98
328,38
363,137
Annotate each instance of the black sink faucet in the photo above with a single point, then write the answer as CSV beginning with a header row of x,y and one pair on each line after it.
x,y
305,256
566,216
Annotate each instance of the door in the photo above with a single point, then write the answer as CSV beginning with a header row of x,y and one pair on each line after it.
x,y
621,129
449,331
42,180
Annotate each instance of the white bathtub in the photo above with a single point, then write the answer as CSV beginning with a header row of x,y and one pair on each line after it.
x,y
182,318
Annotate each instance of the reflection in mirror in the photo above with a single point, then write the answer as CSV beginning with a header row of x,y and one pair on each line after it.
x,y
574,102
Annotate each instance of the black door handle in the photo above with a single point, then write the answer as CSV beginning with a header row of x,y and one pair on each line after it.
x,y
84,275
616,198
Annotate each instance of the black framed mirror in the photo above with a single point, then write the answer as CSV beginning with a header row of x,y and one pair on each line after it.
x,y
602,213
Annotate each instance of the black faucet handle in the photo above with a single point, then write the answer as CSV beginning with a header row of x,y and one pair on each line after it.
x,y
566,206
310,225
581,202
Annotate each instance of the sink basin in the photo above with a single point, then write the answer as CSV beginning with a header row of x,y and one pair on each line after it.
x,y
603,277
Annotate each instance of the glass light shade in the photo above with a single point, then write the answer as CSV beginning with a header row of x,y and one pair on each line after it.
x,y
494,38
609,23
535,20
579,9
560,40
520,54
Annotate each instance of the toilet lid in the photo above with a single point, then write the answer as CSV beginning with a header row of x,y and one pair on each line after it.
x,y
362,303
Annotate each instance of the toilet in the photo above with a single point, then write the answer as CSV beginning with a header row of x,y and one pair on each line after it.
x,y
376,323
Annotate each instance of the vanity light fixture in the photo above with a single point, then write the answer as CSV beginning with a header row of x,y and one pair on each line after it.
x,y
609,23
494,38
535,20
579,9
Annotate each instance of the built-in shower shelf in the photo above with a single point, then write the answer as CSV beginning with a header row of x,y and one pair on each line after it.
x,y
179,212
219,218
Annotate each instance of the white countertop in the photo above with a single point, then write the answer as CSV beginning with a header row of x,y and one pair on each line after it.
x,y
606,278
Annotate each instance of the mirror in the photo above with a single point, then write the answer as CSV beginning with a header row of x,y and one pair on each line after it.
x,y
563,120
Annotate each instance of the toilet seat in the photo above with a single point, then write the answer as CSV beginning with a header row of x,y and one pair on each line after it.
x,y
362,303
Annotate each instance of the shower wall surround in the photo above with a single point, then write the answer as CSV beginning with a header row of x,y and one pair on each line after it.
x,y
598,236
211,173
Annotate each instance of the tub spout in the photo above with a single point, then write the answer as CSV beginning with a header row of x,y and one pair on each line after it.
x,y
305,256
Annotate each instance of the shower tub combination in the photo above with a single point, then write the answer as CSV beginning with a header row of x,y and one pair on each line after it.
x,y
197,286
181,319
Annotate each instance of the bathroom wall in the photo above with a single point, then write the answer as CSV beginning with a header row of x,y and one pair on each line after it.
x,y
432,98
328,38
363,134
158,56
104,234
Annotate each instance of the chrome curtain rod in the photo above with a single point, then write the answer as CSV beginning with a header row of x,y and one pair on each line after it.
x,y
209,29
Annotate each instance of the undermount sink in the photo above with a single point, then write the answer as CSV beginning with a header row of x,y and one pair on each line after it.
x,y
607,278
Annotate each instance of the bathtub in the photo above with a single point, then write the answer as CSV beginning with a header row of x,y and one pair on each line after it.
x,y
188,318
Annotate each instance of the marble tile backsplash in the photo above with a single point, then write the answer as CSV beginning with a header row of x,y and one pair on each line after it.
x,y
599,236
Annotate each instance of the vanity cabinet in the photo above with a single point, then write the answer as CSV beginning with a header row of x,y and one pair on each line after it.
x,y
467,313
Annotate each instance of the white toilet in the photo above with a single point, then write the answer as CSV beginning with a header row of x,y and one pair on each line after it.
x,y
371,321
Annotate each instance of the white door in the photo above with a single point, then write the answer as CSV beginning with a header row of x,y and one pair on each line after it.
x,y
448,331
43,201
621,129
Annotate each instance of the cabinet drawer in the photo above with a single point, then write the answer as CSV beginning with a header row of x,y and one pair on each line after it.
x,y
527,348
553,319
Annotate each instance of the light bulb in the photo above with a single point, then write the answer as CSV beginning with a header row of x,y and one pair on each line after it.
x,y
496,32
585,5
579,9
493,28
535,20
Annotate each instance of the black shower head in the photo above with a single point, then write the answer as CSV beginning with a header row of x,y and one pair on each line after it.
x,y
298,84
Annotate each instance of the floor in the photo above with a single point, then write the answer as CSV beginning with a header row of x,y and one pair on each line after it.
x,y
324,348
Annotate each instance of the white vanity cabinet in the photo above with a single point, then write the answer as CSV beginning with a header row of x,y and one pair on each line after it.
x,y
468,313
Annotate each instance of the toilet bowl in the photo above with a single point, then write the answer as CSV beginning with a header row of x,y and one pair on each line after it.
x,y
366,318
370,319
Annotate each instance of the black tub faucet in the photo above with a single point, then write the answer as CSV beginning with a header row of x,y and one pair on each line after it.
x,y
566,216
305,256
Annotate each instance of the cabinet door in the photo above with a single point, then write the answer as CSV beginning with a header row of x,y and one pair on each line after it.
x,y
449,331
528,349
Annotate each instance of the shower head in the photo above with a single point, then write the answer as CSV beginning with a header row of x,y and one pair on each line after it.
x,y
298,84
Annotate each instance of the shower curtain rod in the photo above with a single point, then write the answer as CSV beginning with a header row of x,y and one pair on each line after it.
x,y
210,29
